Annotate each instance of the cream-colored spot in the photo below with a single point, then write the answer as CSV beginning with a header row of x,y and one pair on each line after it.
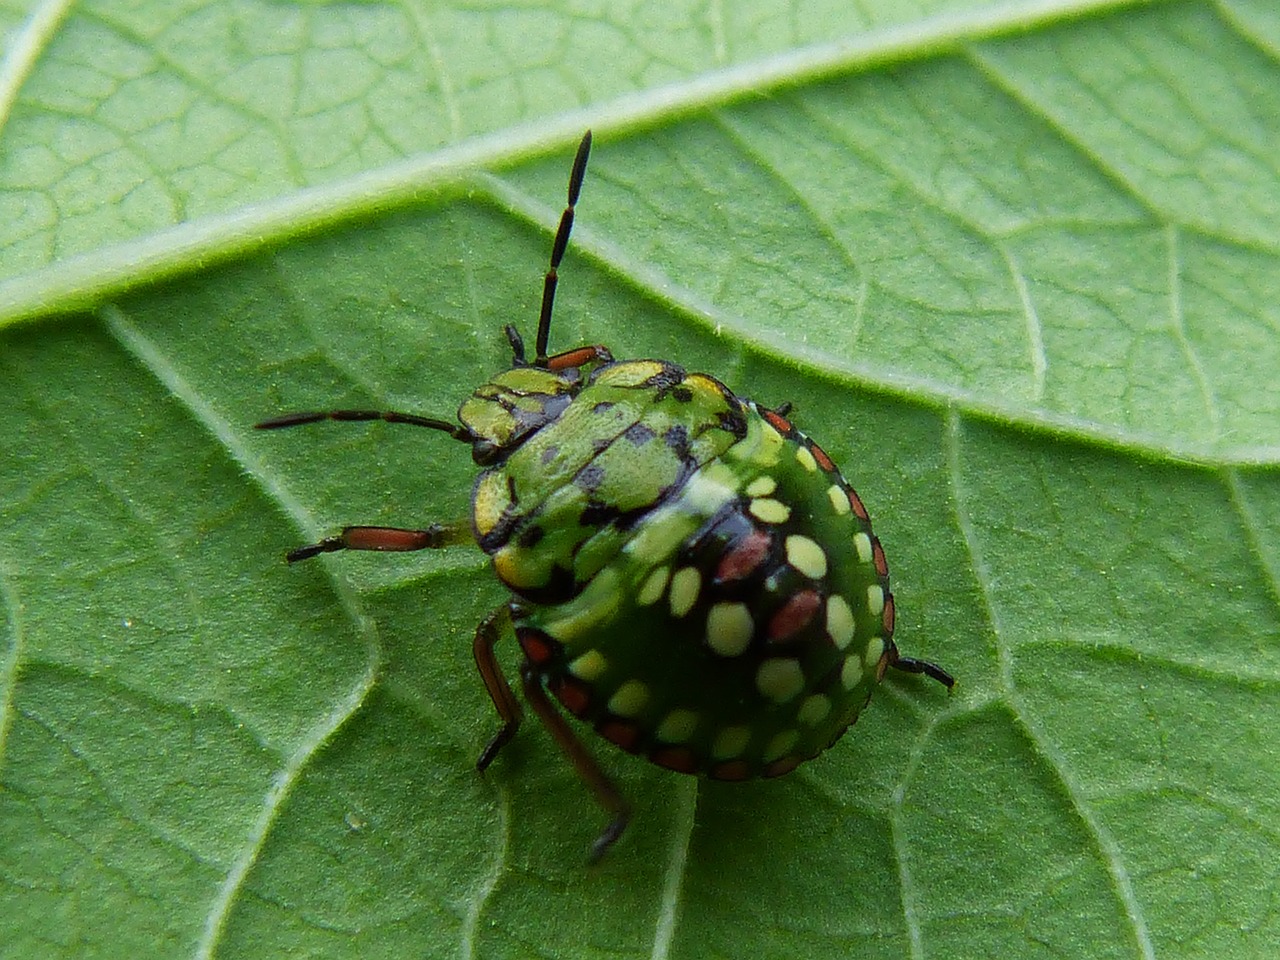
x,y
814,709
839,499
771,442
729,628
805,459
769,510
762,486
653,586
730,742
590,666
677,726
840,623
875,599
851,672
685,586
862,544
806,556
875,650
629,699
780,679
781,744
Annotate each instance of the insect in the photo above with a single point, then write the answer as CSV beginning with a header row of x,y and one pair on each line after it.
x,y
689,573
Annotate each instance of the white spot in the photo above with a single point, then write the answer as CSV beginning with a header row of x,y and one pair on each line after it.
x,y
875,649
862,544
629,699
653,586
780,679
781,744
851,672
806,556
590,666
761,486
729,628
814,709
768,510
677,726
875,599
839,499
805,459
840,623
730,742
685,586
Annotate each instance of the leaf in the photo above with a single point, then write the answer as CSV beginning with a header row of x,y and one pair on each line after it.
x,y
1015,264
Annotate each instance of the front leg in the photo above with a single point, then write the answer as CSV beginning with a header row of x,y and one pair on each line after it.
x,y
386,539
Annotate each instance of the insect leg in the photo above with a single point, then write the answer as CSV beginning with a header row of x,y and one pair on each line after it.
x,y
568,360
386,539
912,665
504,701
579,356
351,416
604,789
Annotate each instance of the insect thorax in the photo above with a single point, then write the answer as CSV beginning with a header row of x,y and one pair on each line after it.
x,y
585,463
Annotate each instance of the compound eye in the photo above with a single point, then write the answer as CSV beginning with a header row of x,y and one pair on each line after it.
x,y
484,452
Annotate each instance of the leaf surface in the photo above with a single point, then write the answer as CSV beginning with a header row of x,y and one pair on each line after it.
x,y
1014,264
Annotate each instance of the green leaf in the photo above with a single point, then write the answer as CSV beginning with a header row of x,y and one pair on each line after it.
x,y
1016,265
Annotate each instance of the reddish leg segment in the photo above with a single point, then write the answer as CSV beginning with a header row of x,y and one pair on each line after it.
x,y
580,356
386,539
597,781
504,700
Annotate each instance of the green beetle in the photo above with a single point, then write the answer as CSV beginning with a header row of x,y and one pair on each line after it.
x,y
690,574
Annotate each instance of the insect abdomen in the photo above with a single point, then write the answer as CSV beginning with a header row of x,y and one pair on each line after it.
x,y
742,625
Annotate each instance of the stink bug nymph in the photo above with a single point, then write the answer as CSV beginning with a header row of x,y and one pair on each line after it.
x,y
690,574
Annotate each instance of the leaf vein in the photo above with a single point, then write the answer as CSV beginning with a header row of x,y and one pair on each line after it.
x,y
1102,838
31,40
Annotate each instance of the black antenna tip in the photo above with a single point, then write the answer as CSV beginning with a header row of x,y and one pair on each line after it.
x,y
579,168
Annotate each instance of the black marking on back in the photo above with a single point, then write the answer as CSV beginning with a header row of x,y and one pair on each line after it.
x,y
639,434
734,420
589,477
